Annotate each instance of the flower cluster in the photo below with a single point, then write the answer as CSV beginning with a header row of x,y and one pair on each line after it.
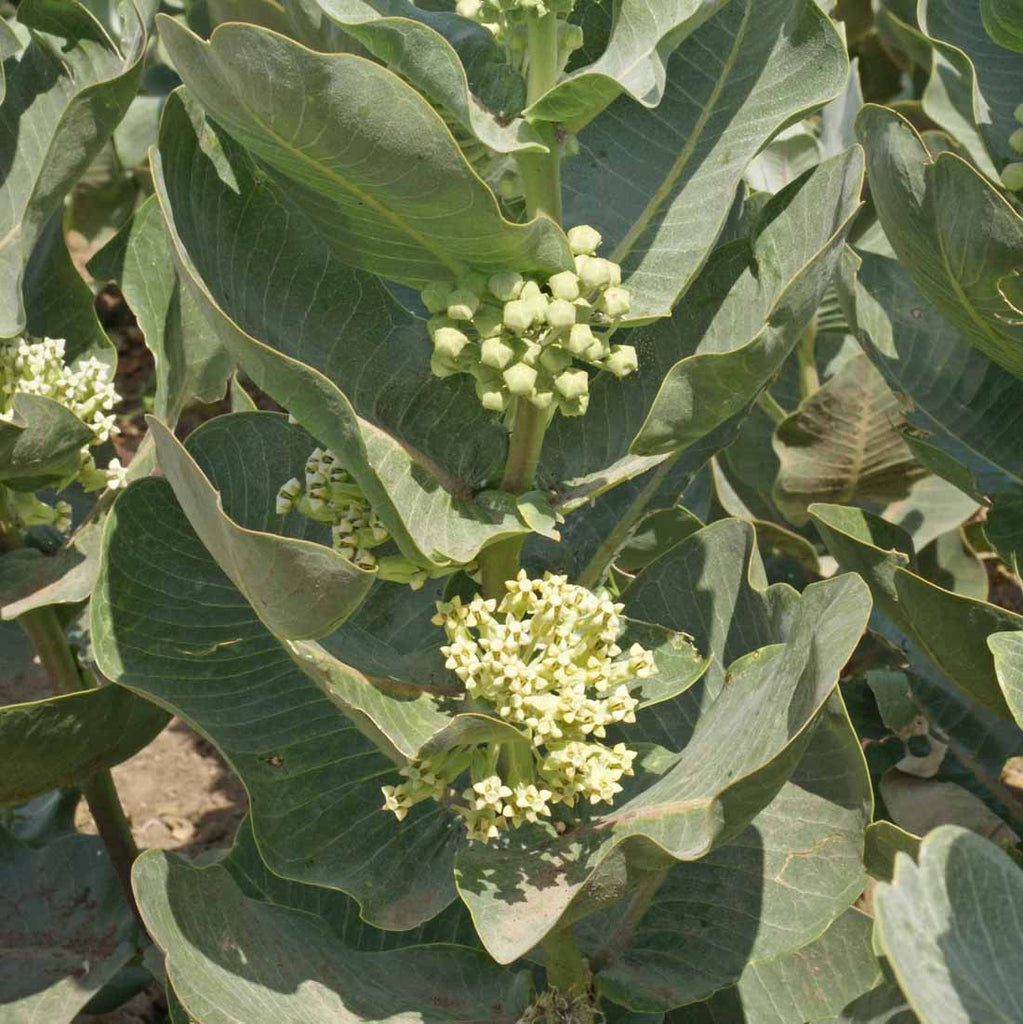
x,y
546,661
330,495
86,390
520,338
507,20
1012,174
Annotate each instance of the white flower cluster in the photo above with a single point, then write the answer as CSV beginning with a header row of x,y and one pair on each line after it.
x,y
38,368
86,390
507,19
519,338
330,495
1012,174
546,660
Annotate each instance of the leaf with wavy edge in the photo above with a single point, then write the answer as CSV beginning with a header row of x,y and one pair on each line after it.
x,y
41,444
361,152
834,980
299,588
59,741
952,231
393,446
658,184
643,37
412,43
948,925
167,623
64,94
775,285
216,940
680,805
770,891
930,615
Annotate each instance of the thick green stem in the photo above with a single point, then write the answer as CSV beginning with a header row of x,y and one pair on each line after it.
x,y
567,969
541,177
772,408
598,564
809,381
621,938
47,635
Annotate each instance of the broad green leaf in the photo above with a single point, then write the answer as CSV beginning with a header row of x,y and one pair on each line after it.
x,y
190,362
950,628
1003,20
685,804
422,47
62,740
331,327
41,443
843,445
949,924
634,62
960,404
299,588
823,982
217,939
771,286
332,131
658,184
656,533
791,154
980,76
883,842
167,623
65,928
65,92
1007,650
953,232
770,891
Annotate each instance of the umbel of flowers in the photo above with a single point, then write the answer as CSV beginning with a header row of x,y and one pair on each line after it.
x,y
546,660
532,339
86,390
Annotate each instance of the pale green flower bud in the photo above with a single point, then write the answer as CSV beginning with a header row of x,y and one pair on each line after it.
x,y
530,290
564,286
530,352
560,314
542,399
287,496
573,383
596,273
435,296
1016,140
469,8
463,304
449,342
520,379
622,361
584,240
575,406
1012,177
496,353
493,401
506,286
488,321
570,38
518,316
615,302
580,338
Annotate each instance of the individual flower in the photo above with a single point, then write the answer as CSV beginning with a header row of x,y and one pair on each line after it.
x,y
545,659
524,338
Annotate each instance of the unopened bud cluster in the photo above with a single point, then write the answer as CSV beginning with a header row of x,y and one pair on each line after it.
x,y
1012,174
520,338
330,495
545,660
507,19
85,390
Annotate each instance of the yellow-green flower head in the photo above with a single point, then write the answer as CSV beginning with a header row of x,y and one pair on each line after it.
x,y
546,659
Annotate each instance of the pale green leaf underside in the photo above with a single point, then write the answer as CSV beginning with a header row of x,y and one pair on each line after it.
x,y
65,92
952,231
362,153
658,184
1007,649
218,944
947,926
771,890
950,628
299,588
